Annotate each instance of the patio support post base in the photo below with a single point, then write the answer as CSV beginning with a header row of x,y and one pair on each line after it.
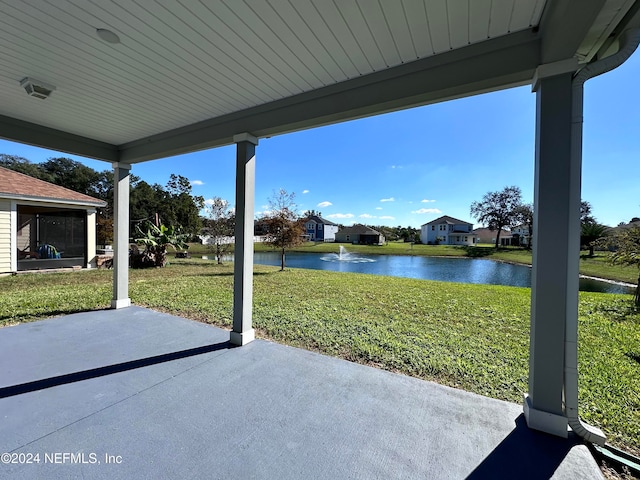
x,y
557,425
120,303
243,253
242,338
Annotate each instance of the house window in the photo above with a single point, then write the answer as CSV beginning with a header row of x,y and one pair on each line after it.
x,y
433,227
466,239
319,226
348,238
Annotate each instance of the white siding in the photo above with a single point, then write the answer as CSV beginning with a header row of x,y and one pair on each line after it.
x,y
5,236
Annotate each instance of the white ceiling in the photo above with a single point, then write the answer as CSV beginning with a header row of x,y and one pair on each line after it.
x,y
186,63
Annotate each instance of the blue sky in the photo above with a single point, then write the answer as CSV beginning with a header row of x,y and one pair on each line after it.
x,y
407,168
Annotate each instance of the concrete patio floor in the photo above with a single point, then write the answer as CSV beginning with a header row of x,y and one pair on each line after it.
x,y
133,393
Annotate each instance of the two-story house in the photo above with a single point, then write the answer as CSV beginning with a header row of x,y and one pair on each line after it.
x,y
520,235
447,230
320,230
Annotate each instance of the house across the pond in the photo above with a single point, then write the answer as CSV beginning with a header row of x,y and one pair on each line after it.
x,y
44,226
360,234
318,229
447,230
486,235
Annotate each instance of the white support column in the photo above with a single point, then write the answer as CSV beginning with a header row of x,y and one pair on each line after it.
x,y
91,238
13,232
121,236
556,249
243,332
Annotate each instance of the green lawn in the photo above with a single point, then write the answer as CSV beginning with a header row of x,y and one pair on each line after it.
x,y
473,337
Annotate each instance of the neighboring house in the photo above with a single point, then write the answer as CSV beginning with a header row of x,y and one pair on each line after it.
x,y
44,226
520,235
484,235
360,234
320,230
447,230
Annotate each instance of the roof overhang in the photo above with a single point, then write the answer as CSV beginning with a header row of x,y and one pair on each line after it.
x,y
288,69
33,200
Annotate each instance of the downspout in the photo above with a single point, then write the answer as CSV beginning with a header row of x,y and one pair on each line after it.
x,y
630,41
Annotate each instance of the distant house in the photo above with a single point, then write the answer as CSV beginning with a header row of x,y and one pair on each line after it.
x,y
320,230
44,226
485,235
360,234
520,235
447,230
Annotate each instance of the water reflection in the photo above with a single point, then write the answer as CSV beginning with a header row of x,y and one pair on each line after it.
x,y
460,270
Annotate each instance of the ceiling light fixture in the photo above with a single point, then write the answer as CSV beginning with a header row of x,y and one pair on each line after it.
x,y
36,88
107,35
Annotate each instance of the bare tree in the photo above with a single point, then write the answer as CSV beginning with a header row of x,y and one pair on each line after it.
x,y
498,209
285,228
220,226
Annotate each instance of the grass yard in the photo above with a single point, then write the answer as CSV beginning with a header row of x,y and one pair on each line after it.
x,y
474,337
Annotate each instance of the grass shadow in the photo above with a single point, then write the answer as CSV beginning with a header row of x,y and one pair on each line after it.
x,y
478,252
633,356
621,311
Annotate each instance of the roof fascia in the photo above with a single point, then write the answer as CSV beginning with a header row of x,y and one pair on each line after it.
x,y
32,200
29,133
487,66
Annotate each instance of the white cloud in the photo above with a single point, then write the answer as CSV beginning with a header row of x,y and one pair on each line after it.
x,y
387,217
208,201
197,182
378,208
426,210
305,191
390,199
427,201
324,204
340,215
366,215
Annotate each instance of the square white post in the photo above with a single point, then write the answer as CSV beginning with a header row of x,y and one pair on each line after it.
x,y
243,332
556,249
121,236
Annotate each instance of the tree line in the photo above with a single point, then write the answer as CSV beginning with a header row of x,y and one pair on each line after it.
x,y
505,208
172,204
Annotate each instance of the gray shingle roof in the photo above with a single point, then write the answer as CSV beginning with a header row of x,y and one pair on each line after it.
x,y
14,184
359,229
448,220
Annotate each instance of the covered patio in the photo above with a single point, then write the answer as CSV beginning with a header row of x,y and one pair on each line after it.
x,y
130,85
177,400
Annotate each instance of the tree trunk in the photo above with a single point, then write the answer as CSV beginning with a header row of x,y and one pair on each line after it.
x,y
591,247
161,255
498,239
636,298
218,254
282,260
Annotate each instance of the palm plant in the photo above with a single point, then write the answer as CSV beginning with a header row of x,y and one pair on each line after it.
x,y
590,233
156,239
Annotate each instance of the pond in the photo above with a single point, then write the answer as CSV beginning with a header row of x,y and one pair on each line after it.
x,y
447,269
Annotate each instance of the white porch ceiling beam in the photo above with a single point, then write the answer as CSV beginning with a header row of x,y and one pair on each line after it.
x,y
495,64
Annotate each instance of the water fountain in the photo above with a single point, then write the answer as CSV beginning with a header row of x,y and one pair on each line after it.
x,y
346,257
